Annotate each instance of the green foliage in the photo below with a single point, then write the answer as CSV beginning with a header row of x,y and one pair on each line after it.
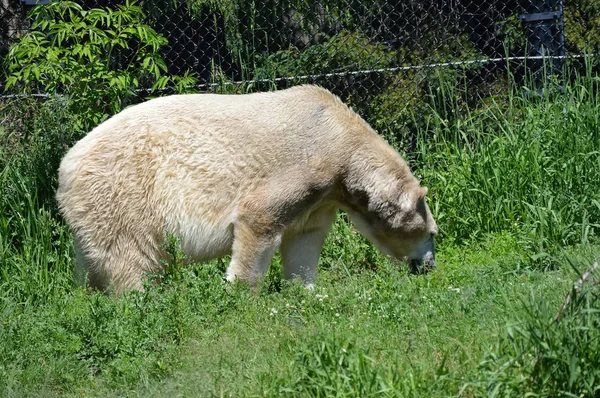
x,y
82,336
97,57
35,246
345,51
550,352
336,368
581,21
582,18
524,166
345,245
33,138
333,55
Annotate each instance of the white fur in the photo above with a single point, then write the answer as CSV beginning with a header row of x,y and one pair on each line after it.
x,y
234,174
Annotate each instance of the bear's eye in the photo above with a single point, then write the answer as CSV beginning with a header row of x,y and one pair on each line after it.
x,y
387,212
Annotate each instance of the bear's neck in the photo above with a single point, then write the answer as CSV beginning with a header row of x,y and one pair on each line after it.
x,y
375,172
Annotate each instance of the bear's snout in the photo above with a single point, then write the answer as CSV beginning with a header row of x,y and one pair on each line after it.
x,y
422,265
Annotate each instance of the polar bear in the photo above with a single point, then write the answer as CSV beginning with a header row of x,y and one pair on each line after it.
x,y
236,174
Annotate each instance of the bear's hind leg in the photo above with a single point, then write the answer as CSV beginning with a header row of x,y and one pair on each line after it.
x,y
87,271
129,261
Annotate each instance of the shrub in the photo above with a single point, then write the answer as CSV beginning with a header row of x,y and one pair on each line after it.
x,y
97,57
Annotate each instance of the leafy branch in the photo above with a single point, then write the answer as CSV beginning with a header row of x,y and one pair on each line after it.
x,y
97,57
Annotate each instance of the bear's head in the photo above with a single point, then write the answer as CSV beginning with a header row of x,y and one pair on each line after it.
x,y
400,224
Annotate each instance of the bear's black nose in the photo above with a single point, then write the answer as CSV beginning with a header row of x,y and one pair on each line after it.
x,y
418,266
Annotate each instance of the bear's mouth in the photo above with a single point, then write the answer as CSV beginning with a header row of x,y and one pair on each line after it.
x,y
422,265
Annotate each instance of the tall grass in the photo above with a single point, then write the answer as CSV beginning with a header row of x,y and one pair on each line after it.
x,y
529,165
35,246
548,352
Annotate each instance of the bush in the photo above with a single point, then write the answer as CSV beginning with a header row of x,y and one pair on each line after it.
x,y
97,57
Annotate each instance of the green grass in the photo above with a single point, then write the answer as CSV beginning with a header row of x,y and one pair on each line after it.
x,y
530,166
514,190
361,332
368,333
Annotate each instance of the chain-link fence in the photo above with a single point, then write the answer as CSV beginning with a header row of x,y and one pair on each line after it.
x,y
394,53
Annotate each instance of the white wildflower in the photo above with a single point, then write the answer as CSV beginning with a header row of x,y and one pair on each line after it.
x,y
321,297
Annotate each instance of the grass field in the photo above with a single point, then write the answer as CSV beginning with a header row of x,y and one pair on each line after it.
x,y
361,332
514,189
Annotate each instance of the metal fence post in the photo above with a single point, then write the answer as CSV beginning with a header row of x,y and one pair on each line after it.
x,y
544,29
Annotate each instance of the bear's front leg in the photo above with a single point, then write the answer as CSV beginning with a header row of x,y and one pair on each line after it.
x,y
301,248
254,245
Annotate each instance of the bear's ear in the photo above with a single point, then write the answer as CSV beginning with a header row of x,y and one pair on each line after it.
x,y
409,200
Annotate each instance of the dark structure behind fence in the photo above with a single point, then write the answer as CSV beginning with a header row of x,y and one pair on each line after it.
x,y
544,30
